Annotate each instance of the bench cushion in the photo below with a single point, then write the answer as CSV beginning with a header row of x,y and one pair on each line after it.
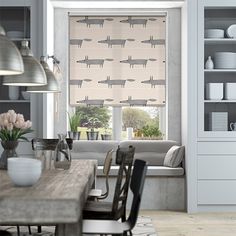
x,y
152,171
152,151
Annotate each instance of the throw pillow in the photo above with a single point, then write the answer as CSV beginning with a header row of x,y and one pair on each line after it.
x,y
174,156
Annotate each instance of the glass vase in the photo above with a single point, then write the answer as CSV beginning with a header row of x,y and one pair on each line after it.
x,y
62,158
9,151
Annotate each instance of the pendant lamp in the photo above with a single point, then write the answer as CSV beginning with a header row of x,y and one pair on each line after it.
x,y
33,75
11,62
52,85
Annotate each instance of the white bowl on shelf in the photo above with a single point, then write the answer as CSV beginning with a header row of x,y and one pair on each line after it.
x,y
25,95
225,60
24,171
15,34
214,33
231,31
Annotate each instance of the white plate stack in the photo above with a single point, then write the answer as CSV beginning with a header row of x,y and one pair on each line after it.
x,y
218,121
225,60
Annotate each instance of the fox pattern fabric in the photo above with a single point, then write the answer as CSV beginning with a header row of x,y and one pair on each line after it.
x,y
117,60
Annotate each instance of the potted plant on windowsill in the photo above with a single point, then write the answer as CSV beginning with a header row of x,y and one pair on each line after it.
x,y
74,121
92,124
106,135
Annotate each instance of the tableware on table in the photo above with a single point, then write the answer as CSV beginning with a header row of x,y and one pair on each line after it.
x,y
15,34
209,65
231,31
25,95
232,126
214,33
225,60
24,171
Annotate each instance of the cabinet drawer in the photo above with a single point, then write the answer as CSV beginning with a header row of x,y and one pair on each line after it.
x,y
211,192
218,148
217,167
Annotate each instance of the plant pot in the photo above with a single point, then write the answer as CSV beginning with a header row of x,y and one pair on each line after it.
x,y
75,135
9,151
106,136
92,135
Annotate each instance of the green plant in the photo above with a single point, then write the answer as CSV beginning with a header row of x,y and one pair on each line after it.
x,y
151,131
74,121
13,126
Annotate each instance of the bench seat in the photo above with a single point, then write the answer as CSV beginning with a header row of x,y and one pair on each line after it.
x,y
152,171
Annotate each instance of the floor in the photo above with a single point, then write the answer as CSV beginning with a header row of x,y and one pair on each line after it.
x,y
170,223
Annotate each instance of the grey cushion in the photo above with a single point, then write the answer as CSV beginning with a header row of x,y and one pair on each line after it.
x,y
174,156
151,171
152,151
97,150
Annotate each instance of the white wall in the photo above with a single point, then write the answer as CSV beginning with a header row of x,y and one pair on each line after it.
x,y
174,68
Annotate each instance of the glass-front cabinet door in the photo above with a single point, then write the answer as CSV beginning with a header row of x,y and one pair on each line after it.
x,y
216,68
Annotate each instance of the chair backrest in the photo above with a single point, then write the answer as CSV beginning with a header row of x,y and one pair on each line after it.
x,y
47,144
107,162
106,170
136,186
124,158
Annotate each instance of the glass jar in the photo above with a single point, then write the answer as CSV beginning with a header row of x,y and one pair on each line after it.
x,y
62,158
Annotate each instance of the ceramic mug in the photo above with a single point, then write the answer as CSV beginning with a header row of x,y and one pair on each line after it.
x,y
232,126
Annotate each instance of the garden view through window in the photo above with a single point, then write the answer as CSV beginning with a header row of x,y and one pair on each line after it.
x,y
144,121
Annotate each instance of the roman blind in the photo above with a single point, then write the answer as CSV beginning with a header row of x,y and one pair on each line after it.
x,y
117,60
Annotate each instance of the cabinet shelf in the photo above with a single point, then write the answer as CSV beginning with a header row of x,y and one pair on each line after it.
x,y
14,101
220,70
220,41
19,39
220,101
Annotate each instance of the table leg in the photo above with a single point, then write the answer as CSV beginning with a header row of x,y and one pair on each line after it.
x,y
74,229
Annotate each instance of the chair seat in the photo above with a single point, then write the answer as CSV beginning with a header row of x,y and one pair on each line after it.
x,y
95,193
101,210
104,227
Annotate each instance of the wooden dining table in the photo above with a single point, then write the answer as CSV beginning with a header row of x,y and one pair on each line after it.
x,y
56,199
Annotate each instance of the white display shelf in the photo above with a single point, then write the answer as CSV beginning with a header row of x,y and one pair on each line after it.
x,y
220,41
220,70
220,101
19,39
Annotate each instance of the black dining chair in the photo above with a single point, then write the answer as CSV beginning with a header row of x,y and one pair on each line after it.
x,y
97,194
117,208
113,227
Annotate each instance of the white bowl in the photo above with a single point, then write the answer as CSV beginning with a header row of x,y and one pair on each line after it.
x,y
24,171
231,31
225,60
214,33
25,95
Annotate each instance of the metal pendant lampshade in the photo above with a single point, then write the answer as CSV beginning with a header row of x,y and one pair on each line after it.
x,y
33,75
52,85
11,62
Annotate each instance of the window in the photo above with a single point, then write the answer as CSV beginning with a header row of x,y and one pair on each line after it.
x,y
119,61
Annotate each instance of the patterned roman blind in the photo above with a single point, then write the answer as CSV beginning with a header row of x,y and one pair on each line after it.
x,y
117,60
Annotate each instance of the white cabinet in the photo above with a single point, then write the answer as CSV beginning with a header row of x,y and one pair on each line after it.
x,y
215,179
216,15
